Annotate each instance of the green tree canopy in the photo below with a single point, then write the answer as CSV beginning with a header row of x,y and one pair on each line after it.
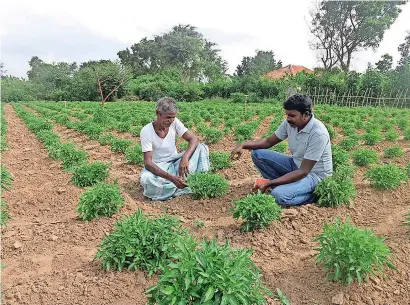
x,y
263,62
183,48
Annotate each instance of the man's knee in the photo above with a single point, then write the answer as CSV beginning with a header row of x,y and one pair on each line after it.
x,y
145,177
255,154
279,195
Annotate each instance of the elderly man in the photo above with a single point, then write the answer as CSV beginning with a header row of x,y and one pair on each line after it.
x,y
293,179
165,170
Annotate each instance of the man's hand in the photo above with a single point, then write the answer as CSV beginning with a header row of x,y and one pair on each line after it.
x,y
184,167
260,187
236,153
179,182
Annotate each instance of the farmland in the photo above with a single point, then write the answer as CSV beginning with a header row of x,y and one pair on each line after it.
x,y
49,251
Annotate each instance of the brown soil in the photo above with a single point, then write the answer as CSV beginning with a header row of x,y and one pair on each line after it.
x,y
49,253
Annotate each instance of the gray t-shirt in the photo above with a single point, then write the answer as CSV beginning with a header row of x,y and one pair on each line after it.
x,y
312,143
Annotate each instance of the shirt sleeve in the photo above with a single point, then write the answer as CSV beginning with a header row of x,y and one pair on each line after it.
x,y
180,127
316,146
282,132
146,140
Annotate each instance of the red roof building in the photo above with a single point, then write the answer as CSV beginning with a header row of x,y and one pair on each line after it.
x,y
289,69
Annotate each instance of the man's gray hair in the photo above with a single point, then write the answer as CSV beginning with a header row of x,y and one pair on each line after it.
x,y
167,105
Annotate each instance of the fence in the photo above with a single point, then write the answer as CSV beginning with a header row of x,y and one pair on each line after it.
x,y
398,99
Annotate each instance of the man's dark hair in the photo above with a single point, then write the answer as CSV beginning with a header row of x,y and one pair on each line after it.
x,y
299,102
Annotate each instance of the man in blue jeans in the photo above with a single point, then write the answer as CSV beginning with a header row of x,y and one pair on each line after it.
x,y
293,178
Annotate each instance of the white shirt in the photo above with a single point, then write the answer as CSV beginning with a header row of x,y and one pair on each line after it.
x,y
163,149
312,143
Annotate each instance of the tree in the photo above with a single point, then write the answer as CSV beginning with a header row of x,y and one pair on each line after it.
x,y
342,28
385,63
183,48
404,50
262,63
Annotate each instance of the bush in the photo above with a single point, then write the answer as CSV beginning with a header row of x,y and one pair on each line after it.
x,y
69,154
385,177
212,135
391,135
364,157
134,155
339,156
406,134
212,274
120,145
220,160
259,210
350,253
205,185
333,192
238,97
348,143
140,241
90,174
371,138
106,139
103,199
393,152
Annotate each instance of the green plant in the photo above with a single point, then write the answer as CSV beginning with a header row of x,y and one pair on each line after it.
x,y
348,143
281,147
391,135
6,178
103,199
332,131
406,134
90,174
183,146
120,145
136,130
259,210
281,298
106,139
393,152
212,135
219,160
387,176
339,156
141,241
209,274
371,138
407,217
333,192
408,169
123,127
198,223
134,155
4,213
364,157
205,185
350,253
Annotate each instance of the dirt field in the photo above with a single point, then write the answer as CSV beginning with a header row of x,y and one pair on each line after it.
x,y
49,253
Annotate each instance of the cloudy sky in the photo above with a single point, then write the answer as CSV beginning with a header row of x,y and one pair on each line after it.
x,y
81,30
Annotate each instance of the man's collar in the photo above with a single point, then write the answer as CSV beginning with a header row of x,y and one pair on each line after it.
x,y
309,125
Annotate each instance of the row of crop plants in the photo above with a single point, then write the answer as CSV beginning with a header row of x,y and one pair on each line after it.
x,y
6,178
211,121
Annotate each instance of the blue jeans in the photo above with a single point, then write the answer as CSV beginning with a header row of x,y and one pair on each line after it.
x,y
273,165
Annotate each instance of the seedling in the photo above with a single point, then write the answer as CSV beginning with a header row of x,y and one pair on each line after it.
x,y
204,185
199,223
4,213
259,210
103,199
349,253
6,179
373,137
391,135
134,155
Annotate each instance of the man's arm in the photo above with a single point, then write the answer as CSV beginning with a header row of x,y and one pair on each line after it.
x,y
192,144
262,144
153,168
251,145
